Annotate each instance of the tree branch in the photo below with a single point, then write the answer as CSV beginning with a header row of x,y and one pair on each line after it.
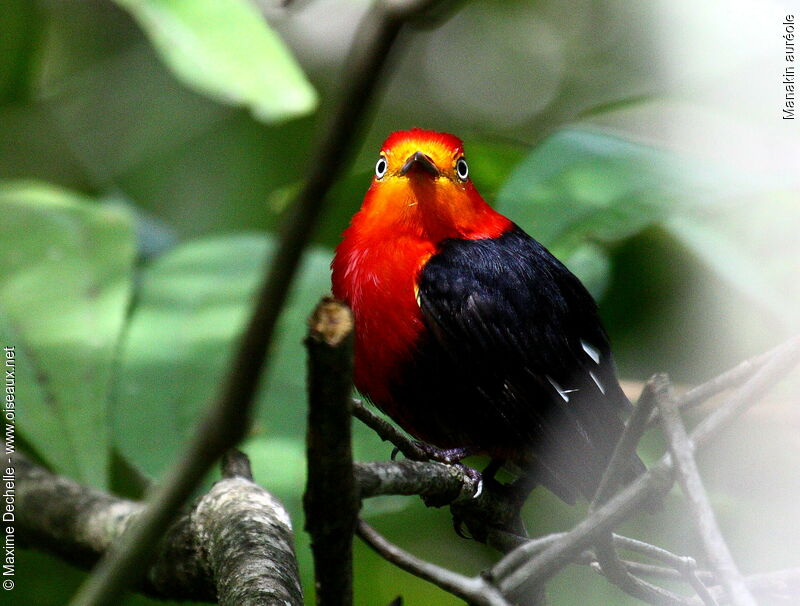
x,y
520,572
474,590
702,514
618,574
629,440
438,483
722,382
227,419
331,500
235,545
610,564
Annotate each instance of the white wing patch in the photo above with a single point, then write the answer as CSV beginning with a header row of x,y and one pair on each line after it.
x,y
592,353
564,393
597,382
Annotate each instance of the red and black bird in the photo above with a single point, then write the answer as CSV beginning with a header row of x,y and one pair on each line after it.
x,y
469,333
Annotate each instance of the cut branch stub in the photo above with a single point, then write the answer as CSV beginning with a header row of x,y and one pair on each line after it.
x,y
331,500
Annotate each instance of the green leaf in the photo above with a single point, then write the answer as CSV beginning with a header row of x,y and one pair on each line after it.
x,y
226,50
193,305
729,259
64,291
581,192
578,186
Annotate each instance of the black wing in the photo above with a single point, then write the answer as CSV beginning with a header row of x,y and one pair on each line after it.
x,y
517,360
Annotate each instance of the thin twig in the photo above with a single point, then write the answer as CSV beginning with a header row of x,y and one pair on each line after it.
x,y
781,361
542,566
611,566
475,590
626,446
616,572
727,380
730,378
331,500
652,570
653,552
690,574
703,516
524,552
388,432
228,418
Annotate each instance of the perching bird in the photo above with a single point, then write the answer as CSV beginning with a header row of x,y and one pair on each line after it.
x,y
469,333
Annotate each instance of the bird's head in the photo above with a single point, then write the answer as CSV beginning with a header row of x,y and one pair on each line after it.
x,y
422,184
420,158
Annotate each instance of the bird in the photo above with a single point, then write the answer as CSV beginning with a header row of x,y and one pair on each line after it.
x,y
469,333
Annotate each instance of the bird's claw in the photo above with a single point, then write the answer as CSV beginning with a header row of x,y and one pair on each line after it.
x,y
459,526
475,476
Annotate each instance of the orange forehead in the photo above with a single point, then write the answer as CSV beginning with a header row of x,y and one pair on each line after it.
x,y
441,147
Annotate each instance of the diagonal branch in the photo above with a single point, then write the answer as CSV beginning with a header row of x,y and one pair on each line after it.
x,y
519,572
611,566
227,419
732,377
702,514
475,590
626,447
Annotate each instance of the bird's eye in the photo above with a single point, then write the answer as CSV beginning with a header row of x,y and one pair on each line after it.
x,y
380,167
462,170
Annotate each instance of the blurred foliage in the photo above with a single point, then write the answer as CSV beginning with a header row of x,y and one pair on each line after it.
x,y
225,49
149,149
65,288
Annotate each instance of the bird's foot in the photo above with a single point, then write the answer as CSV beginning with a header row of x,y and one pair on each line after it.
x,y
442,455
446,455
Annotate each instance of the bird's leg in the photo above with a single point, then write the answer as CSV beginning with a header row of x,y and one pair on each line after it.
x,y
453,456
447,455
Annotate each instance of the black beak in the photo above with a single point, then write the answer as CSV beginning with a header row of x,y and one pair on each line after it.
x,y
420,161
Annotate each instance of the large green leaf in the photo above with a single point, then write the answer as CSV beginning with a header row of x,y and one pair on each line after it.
x,y
225,49
580,185
581,192
578,191
64,291
755,274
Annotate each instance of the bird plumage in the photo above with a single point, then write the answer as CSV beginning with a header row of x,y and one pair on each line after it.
x,y
469,333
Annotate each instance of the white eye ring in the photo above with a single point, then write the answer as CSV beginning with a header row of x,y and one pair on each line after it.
x,y
381,167
462,170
